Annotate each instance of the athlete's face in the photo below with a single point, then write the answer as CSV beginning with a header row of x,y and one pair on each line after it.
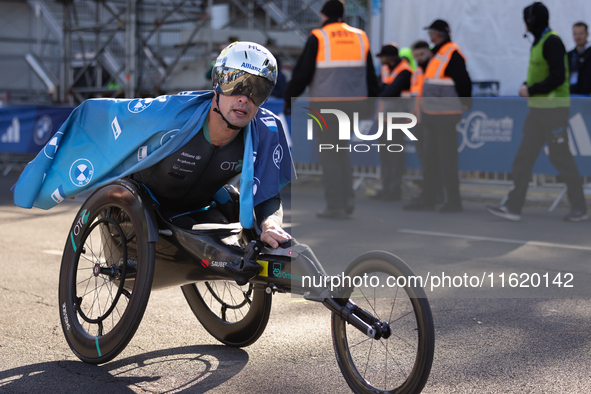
x,y
238,110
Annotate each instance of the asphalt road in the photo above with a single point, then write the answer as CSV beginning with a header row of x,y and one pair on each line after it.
x,y
499,340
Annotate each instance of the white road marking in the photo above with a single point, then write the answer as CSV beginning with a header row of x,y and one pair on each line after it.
x,y
491,239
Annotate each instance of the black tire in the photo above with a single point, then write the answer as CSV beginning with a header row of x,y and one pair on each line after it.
x,y
234,315
106,274
401,363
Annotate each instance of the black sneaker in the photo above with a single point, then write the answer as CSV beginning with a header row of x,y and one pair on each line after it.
x,y
451,208
576,215
418,205
503,212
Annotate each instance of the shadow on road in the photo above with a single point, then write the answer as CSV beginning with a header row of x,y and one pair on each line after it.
x,y
189,369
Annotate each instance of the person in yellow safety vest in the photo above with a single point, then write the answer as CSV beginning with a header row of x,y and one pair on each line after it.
x,y
335,63
446,86
547,87
395,77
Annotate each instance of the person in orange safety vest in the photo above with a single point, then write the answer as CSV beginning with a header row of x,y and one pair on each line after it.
x,y
336,65
446,93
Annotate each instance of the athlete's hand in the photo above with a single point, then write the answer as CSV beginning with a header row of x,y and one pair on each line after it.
x,y
523,92
272,233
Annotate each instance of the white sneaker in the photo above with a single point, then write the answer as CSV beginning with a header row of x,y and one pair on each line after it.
x,y
503,212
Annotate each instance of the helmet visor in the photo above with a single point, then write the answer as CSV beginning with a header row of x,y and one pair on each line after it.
x,y
234,82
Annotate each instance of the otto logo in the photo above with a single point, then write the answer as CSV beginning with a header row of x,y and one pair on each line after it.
x,y
138,105
81,172
395,121
205,263
231,165
81,222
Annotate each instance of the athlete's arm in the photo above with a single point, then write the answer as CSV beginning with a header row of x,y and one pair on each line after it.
x,y
269,215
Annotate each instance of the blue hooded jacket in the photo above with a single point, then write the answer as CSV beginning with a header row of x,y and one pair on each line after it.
x,y
106,139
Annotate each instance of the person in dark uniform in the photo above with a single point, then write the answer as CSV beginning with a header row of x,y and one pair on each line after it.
x,y
395,76
446,93
335,63
547,87
579,61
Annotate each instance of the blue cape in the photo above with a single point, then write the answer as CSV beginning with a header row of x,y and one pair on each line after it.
x,y
106,139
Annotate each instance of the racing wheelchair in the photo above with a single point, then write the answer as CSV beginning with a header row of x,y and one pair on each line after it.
x,y
120,247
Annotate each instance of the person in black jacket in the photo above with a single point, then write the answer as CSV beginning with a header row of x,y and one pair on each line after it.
x,y
395,78
547,87
446,93
579,61
350,74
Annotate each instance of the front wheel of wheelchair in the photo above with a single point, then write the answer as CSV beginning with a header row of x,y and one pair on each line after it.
x,y
234,315
401,362
106,275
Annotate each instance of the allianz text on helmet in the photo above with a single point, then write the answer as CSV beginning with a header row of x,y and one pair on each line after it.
x,y
245,68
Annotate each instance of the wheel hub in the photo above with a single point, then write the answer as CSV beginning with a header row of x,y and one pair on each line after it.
x,y
96,270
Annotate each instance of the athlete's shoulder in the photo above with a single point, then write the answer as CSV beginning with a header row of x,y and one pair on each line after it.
x,y
264,112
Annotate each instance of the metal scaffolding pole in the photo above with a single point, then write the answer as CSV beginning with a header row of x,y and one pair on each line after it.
x,y
130,52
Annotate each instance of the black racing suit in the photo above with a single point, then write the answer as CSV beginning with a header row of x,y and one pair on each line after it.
x,y
187,180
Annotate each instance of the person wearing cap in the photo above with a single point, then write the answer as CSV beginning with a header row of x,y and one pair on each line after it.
x,y
446,86
547,87
335,63
183,148
395,76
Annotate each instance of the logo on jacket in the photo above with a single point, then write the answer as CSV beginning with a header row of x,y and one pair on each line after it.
x,y
116,128
270,123
142,153
51,147
81,172
138,105
277,155
42,130
168,136
58,194
255,187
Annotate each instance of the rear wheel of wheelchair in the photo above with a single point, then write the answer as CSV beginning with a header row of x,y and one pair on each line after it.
x,y
106,275
400,361
234,315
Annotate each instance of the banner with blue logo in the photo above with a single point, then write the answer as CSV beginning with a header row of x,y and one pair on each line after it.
x,y
28,129
488,135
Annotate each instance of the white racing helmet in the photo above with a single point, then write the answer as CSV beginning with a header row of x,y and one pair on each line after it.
x,y
245,68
